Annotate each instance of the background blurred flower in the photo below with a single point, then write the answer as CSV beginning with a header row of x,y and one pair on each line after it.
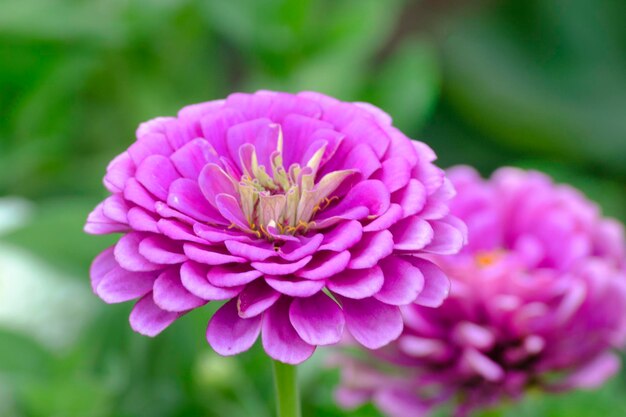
x,y
301,210
538,299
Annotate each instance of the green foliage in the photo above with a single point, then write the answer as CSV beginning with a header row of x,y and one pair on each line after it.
x,y
538,84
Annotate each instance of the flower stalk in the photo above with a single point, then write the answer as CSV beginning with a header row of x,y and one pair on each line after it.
x,y
286,386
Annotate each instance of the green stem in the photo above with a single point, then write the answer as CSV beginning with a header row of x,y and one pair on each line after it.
x,y
286,384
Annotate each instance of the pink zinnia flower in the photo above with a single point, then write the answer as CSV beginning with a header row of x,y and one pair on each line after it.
x,y
304,212
538,299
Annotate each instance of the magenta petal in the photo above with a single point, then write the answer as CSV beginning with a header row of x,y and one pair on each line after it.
x,y
362,130
372,323
170,294
128,256
259,251
142,221
325,265
275,268
255,298
403,281
436,283
215,126
219,235
102,265
120,169
411,234
209,255
161,250
190,159
342,237
148,319
294,287
357,283
232,275
194,278
137,194
371,249
447,239
305,246
116,208
362,158
156,173
120,285
177,230
411,198
213,181
99,224
317,319
371,194
280,339
383,222
186,197
228,334
230,209
395,173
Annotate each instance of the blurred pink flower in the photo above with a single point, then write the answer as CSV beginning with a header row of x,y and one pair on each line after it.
x,y
538,299
302,211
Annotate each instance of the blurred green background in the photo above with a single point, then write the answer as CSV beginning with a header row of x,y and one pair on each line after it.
x,y
532,83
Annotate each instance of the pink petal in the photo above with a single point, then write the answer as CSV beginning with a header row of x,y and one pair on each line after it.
x,y
294,251
116,208
280,339
194,278
342,237
142,221
214,181
403,281
395,173
436,283
169,293
230,209
177,230
156,173
372,323
186,197
128,256
317,319
275,268
383,222
357,284
411,234
411,198
102,265
447,239
229,334
324,265
119,170
232,275
119,285
371,249
190,159
294,287
259,251
161,250
255,299
209,255
136,193
148,319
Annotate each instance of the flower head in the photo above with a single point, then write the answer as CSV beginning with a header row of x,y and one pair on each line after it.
x,y
303,212
538,299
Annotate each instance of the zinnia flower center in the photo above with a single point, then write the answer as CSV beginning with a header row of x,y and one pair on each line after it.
x,y
283,201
